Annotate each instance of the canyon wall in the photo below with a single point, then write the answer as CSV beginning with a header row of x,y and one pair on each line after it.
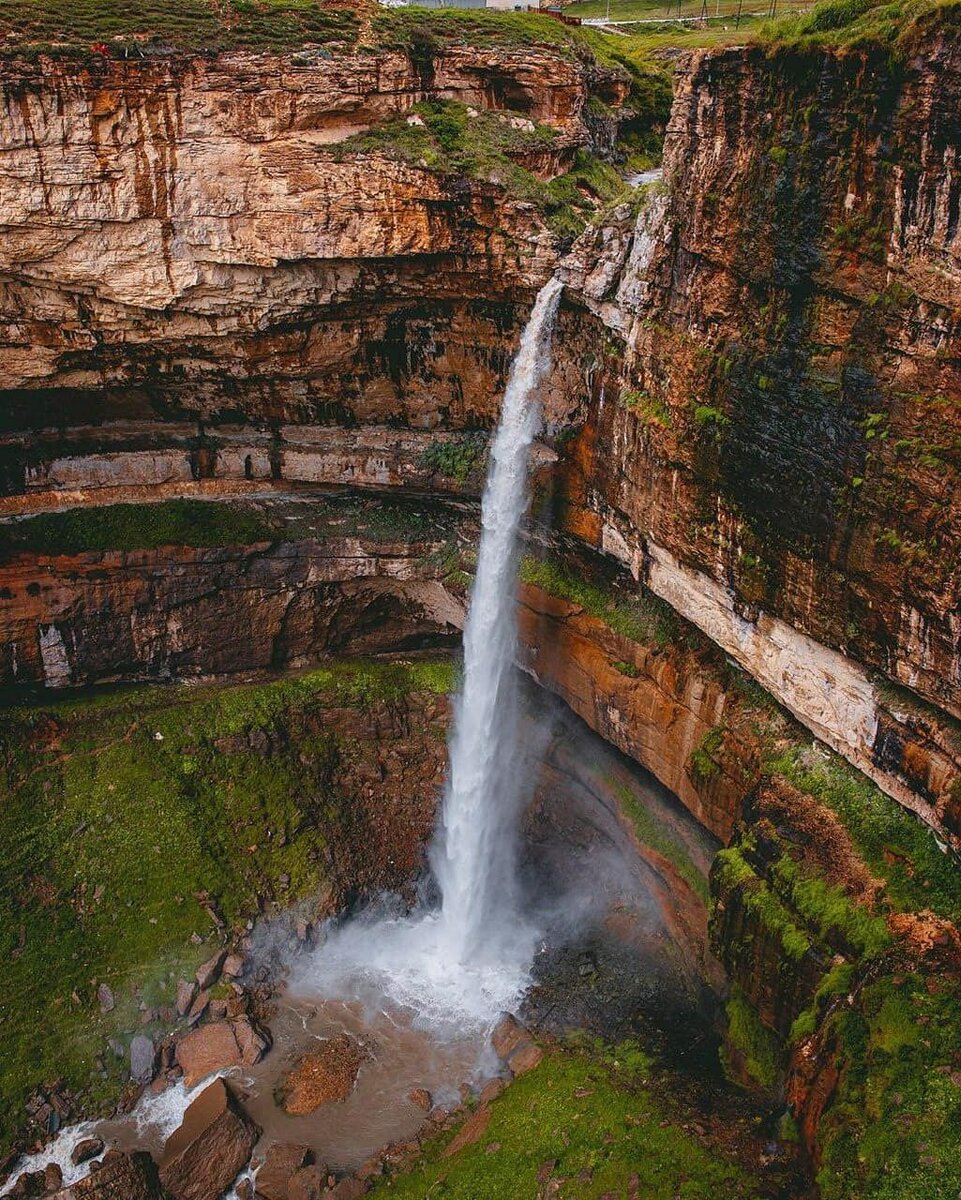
x,y
209,281
776,449
200,237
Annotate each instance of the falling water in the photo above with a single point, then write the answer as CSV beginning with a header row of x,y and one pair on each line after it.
x,y
460,964
475,855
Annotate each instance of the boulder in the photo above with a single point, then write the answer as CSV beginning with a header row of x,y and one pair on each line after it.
x,y
142,1055
421,1097
470,1132
186,993
212,1146
209,972
252,1041
283,1161
322,1076
89,1148
105,997
233,966
491,1090
507,1035
207,1049
199,1007
309,1183
118,1176
524,1058
29,1186
514,1045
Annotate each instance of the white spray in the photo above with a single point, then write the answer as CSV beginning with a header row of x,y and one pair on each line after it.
x,y
461,964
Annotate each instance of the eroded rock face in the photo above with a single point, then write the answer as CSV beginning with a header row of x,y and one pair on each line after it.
x,y
191,231
67,620
784,421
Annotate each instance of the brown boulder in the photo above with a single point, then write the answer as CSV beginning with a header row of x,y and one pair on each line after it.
x,y
252,1041
513,1045
211,1147
186,992
283,1161
422,1098
470,1132
83,1151
507,1036
309,1183
322,1076
207,1049
117,1177
209,972
525,1058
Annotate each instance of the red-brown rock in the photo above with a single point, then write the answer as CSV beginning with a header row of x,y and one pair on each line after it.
x,y
283,1161
323,1076
211,1147
207,1049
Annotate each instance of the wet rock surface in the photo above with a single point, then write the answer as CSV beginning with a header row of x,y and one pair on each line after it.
x,y
323,1076
211,1147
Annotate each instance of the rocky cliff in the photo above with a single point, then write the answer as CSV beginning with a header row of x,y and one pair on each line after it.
x,y
223,277
211,236
777,447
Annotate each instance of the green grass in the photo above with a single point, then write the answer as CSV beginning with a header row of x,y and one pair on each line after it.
x,y
457,459
892,1129
485,147
858,24
731,873
600,1118
641,617
73,27
134,527
111,832
829,911
704,755
758,1047
893,843
199,523
652,410
652,833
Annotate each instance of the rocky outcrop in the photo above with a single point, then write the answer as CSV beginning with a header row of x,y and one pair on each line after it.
x,y
194,237
181,610
210,1149
775,450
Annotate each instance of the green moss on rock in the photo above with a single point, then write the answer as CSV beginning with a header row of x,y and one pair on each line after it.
x,y
128,816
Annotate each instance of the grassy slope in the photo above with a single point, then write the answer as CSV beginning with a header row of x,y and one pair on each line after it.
x,y
600,1118
74,26
110,833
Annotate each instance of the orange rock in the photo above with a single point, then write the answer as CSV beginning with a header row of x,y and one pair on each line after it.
x,y
323,1076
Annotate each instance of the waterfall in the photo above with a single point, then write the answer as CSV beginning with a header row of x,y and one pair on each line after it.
x,y
475,856
460,964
